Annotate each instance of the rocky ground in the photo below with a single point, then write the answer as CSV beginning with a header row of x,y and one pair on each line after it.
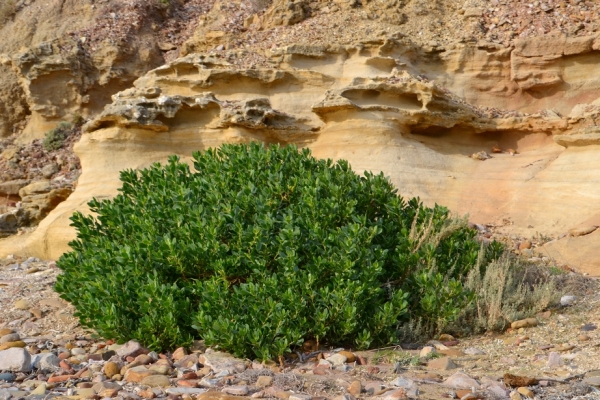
x,y
244,26
45,353
35,179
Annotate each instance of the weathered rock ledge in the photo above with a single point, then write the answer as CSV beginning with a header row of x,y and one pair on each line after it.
x,y
383,105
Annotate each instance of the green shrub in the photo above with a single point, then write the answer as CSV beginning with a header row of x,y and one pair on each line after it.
x,y
261,248
55,138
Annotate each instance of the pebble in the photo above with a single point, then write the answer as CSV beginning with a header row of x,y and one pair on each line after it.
x,y
239,390
10,345
460,380
425,351
554,360
567,300
40,390
185,390
102,386
179,353
156,381
264,381
373,387
61,378
589,327
146,394
525,245
85,393
46,362
5,394
444,364
15,360
11,337
355,388
350,357
592,380
219,361
337,359
403,383
524,323
473,351
131,349
111,369
22,304
137,374
526,392
7,377
300,396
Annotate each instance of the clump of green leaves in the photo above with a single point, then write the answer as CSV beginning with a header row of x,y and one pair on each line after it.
x,y
55,138
258,249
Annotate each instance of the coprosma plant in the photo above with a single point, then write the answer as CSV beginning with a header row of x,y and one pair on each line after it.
x,y
259,248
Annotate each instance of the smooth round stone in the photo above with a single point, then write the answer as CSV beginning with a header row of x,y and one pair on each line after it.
x,y
12,337
7,377
77,351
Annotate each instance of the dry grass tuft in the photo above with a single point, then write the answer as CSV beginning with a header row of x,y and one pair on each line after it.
x,y
507,290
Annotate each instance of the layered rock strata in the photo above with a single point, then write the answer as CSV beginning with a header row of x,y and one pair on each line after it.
x,y
385,106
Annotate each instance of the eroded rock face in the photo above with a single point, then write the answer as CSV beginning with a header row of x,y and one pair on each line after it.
x,y
37,200
287,12
384,106
59,84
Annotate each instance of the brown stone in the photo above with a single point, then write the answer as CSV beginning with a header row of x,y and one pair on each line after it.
x,y
61,378
111,369
147,394
355,388
545,314
108,393
452,352
188,361
22,304
156,381
350,357
526,392
373,370
443,364
446,338
179,353
188,383
211,395
36,312
518,381
524,323
277,392
524,245
10,345
322,371
4,332
137,374
264,381
143,359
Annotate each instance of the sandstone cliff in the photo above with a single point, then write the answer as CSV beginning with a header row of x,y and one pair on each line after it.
x,y
503,131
